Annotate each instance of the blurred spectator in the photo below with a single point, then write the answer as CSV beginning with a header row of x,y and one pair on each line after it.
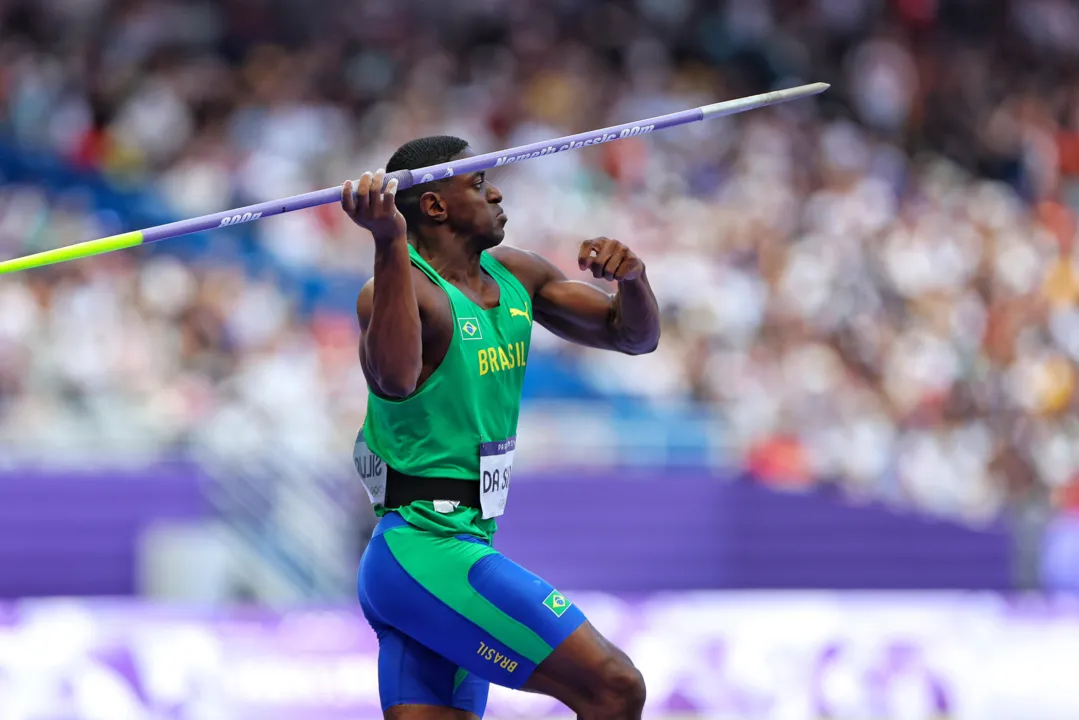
x,y
878,290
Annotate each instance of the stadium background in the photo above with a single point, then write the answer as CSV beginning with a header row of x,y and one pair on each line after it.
x,y
844,486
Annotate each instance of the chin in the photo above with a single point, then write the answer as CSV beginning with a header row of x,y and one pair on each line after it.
x,y
494,239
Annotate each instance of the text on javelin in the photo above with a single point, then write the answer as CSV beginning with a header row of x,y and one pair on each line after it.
x,y
599,139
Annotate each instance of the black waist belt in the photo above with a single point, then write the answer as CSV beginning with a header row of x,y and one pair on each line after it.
x,y
403,489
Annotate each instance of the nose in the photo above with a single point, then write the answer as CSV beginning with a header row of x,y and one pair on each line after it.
x,y
494,195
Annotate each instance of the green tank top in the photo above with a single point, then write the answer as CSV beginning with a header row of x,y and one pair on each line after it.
x,y
472,400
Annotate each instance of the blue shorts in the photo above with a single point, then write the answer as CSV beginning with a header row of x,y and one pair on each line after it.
x,y
453,615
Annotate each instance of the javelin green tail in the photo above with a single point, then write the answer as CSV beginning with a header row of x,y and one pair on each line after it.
x,y
73,252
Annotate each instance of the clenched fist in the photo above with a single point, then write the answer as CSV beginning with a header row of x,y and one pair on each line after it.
x,y
609,259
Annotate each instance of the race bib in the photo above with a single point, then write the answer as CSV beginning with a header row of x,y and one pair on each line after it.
x,y
496,463
372,470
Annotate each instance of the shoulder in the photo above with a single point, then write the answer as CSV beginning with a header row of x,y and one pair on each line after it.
x,y
531,269
423,287
513,258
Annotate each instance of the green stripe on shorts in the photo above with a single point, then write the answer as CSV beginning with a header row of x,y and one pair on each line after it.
x,y
441,566
459,677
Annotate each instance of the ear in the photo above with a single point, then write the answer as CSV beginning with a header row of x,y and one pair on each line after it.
x,y
433,207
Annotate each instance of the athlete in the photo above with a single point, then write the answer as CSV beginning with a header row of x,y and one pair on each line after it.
x,y
446,323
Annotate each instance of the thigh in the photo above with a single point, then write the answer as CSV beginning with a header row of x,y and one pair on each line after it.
x,y
580,666
427,712
416,683
467,603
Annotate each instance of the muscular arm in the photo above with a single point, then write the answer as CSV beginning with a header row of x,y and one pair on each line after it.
x,y
626,321
391,345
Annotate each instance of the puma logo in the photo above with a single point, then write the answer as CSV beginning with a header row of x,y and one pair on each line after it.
x,y
514,312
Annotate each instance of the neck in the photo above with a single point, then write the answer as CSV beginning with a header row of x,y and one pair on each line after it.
x,y
454,258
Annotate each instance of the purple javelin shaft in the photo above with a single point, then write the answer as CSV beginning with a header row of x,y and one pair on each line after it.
x,y
408,178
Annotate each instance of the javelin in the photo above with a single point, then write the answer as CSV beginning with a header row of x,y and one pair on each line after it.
x,y
408,178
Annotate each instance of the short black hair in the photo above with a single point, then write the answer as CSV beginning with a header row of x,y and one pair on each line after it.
x,y
418,153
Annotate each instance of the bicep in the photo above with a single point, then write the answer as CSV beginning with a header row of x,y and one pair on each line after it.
x,y
576,311
571,301
387,350
365,304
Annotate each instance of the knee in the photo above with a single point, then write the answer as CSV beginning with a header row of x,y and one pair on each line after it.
x,y
621,692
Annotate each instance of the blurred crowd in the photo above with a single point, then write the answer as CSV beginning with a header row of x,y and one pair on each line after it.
x,y
877,288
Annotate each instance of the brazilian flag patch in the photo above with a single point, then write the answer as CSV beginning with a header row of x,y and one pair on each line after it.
x,y
557,603
470,329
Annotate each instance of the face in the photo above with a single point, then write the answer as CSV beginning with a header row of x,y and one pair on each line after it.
x,y
471,206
